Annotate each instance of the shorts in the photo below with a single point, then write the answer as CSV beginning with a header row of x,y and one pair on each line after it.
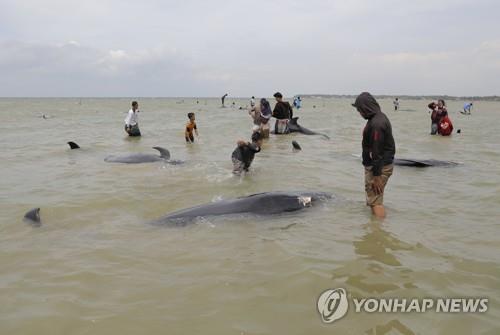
x,y
373,199
190,138
281,126
434,129
133,130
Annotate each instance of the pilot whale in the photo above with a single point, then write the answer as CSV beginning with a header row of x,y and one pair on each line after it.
x,y
143,158
422,162
267,203
294,127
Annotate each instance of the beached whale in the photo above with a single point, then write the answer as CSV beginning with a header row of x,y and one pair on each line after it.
x,y
422,162
267,203
143,158
294,127
33,217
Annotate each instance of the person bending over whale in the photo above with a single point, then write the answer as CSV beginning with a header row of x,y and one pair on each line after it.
x,y
190,127
244,153
283,113
378,151
132,120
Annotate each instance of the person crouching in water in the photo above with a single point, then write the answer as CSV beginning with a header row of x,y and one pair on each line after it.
x,y
378,151
244,153
132,120
283,113
190,128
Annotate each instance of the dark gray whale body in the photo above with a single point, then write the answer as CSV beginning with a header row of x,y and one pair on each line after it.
x,y
422,162
267,203
143,158
294,127
33,217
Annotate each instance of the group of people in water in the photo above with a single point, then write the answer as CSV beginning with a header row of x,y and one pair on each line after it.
x,y
378,144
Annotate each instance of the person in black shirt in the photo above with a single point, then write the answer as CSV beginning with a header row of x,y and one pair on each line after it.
x,y
283,113
378,151
244,153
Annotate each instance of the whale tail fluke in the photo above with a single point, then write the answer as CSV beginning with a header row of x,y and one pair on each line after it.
x,y
164,153
73,145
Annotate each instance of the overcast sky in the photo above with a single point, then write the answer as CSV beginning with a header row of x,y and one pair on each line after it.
x,y
208,48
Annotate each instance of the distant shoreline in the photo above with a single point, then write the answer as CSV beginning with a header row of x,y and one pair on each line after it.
x,y
321,96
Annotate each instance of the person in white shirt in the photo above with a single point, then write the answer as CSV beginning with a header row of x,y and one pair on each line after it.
x,y
132,120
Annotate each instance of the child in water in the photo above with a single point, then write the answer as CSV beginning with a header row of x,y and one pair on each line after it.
x,y
190,127
244,153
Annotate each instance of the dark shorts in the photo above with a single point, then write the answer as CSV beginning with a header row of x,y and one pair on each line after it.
x,y
133,130
373,199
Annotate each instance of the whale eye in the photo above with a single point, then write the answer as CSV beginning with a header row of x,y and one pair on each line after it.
x,y
305,201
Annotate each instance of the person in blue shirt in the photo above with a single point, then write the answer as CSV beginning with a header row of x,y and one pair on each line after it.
x,y
467,108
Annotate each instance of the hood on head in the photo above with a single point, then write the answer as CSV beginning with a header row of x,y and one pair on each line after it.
x,y
367,104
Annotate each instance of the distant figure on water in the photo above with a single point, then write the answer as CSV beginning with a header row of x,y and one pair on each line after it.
x,y
378,151
297,102
244,153
132,120
468,108
396,104
223,98
283,113
440,122
190,128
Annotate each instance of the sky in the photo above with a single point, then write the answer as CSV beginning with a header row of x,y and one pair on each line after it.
x,y
199,48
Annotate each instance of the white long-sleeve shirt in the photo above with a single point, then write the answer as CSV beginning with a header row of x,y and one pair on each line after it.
x,y
132,118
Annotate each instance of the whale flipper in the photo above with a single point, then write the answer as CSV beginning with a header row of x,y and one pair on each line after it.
x,y
296,145
73,145
164,153
33,217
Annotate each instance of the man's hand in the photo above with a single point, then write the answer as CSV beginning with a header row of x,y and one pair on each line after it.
x,y
378,185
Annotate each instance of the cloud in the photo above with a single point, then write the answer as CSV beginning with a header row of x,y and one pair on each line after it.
x,y
248,47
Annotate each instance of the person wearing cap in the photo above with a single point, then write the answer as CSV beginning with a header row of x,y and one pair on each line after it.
x,y
283,113
132,120
244,153
378,151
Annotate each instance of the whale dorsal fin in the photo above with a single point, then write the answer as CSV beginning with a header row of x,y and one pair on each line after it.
x,y
33,216
73,145
164,153
294,120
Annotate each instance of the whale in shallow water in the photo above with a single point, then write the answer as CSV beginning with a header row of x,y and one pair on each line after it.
x,y
294,127
143,158
73,145
267,203
422,162
33,217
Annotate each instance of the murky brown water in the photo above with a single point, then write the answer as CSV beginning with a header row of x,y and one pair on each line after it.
x,y
97,267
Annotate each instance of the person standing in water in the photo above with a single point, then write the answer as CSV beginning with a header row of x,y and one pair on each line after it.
x,y
297,102
190,128
252,102
378,151
396,104
439,111
223,98
244,153
283,113
132,120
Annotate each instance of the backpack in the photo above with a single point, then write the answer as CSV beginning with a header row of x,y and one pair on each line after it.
x,y
445,126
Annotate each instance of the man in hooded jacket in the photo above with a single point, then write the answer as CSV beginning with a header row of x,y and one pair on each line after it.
x,y
378,151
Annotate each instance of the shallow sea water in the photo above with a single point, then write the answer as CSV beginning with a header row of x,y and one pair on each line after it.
x,y
97,267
